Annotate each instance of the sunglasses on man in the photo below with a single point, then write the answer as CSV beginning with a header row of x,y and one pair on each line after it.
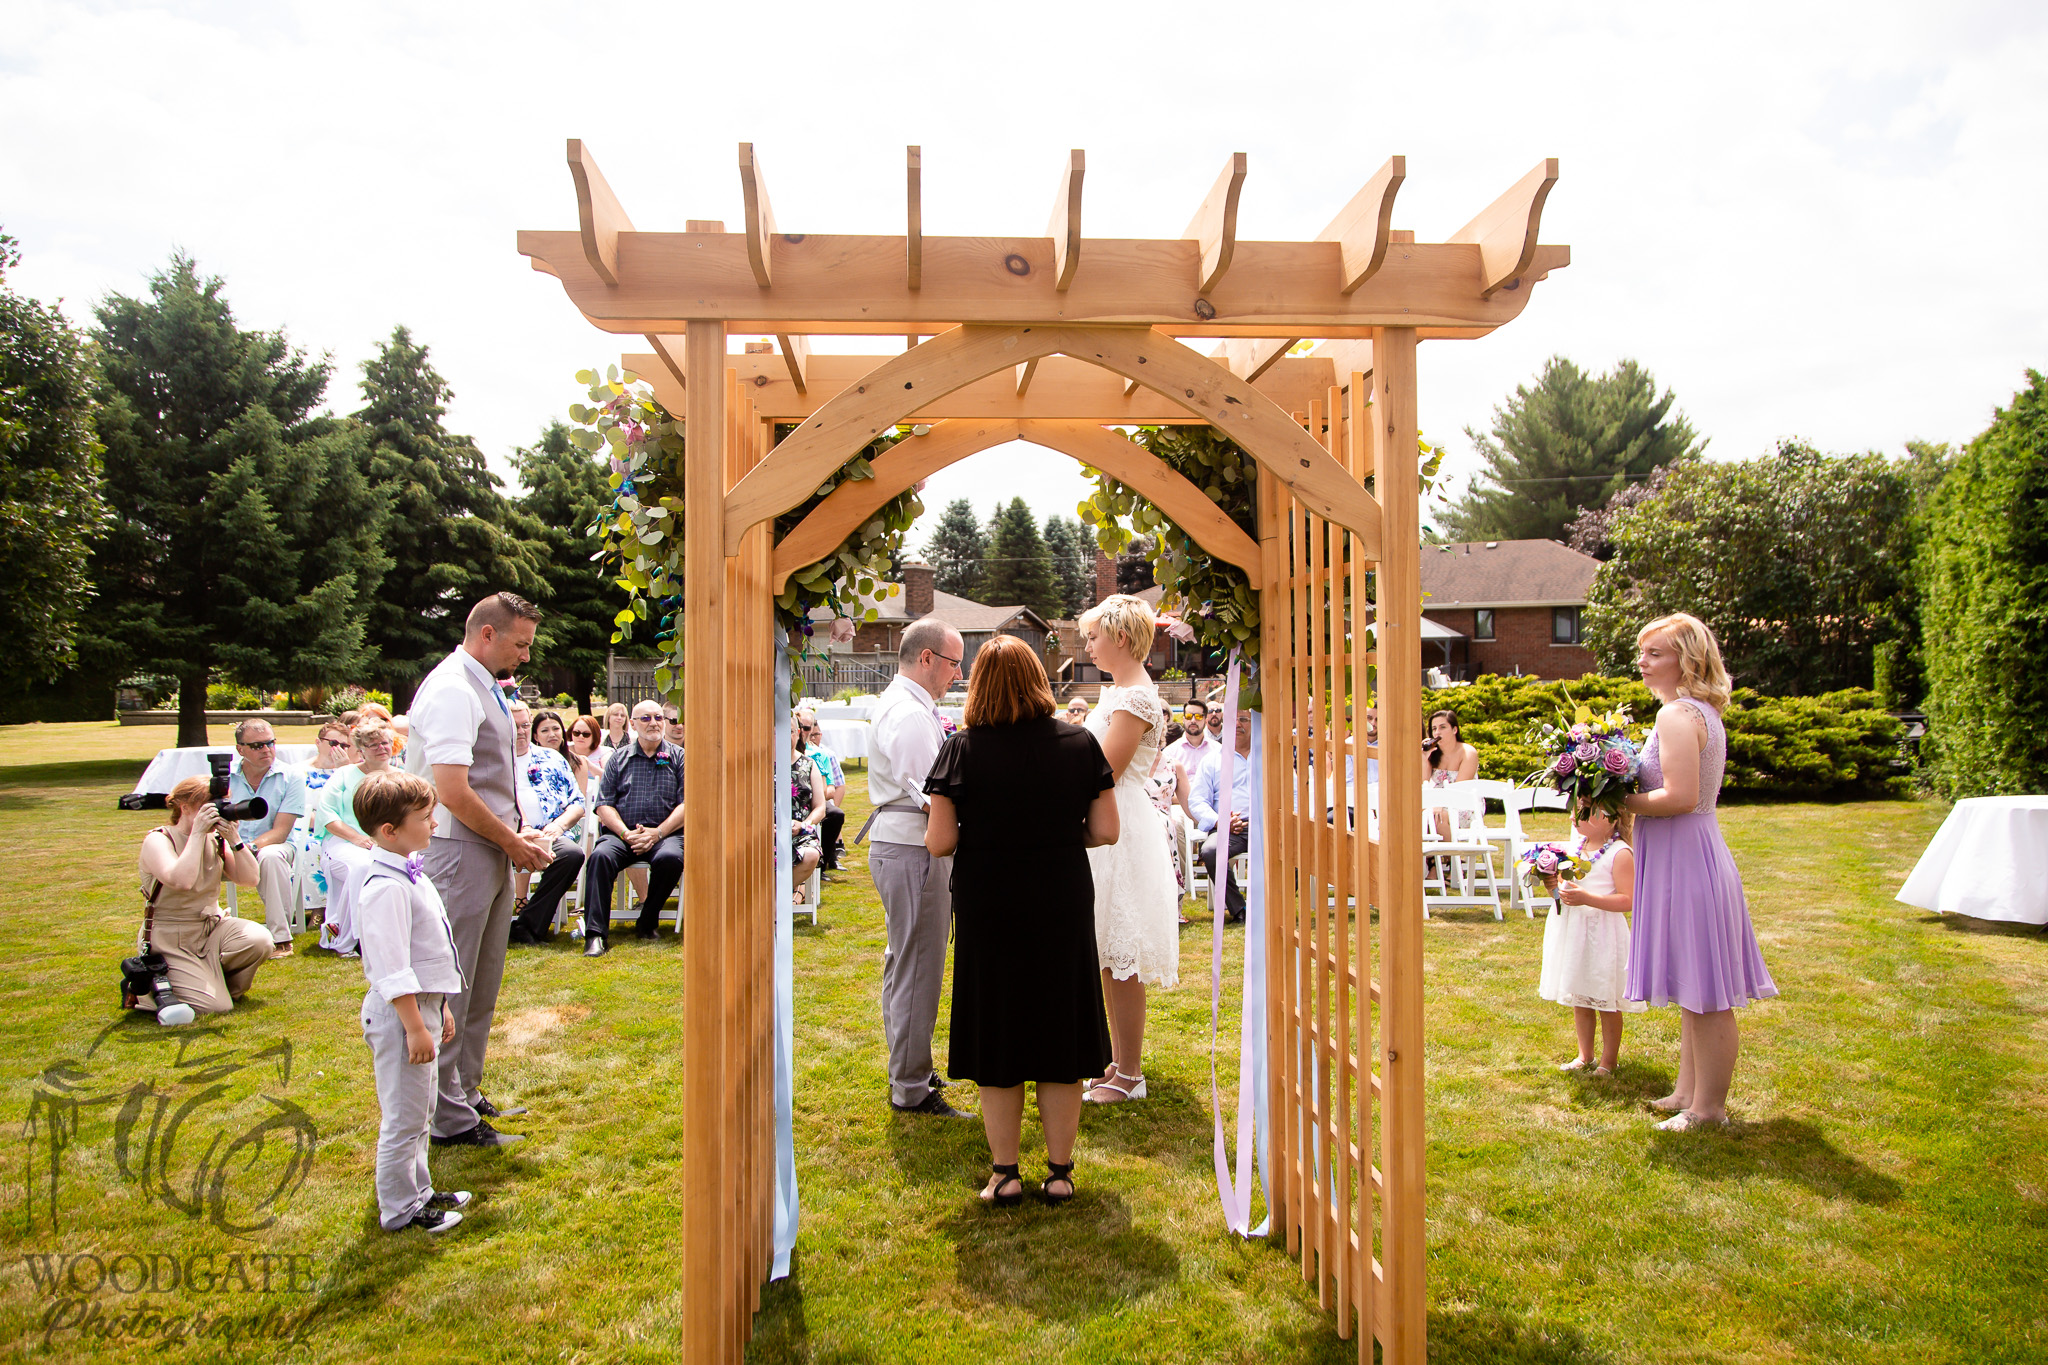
x,y
257,743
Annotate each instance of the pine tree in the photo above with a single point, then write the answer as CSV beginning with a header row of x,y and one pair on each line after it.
x,y
51,507
565,493
956,550
1019,567
1571,442
454,537
245,537
1073,563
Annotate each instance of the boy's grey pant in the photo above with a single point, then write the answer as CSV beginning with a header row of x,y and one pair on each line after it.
x,y
405,1092
475,882
917,907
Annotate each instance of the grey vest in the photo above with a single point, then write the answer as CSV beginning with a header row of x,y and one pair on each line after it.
x,y
491,773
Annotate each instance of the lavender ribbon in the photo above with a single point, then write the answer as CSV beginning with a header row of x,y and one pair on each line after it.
x,y
1236,1195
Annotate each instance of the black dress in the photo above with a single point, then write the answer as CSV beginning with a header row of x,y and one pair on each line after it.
x,y
1027,989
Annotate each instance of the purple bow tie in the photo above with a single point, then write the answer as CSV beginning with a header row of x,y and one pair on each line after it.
x,y
414,865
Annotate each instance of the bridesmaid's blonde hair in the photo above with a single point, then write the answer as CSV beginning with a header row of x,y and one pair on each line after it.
x,y
1701,675
1128,618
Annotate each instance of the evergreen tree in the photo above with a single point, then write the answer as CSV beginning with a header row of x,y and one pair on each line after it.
x,y
956,550
1571,442
51,506
454,537
245,537
1073,564
1019,567
566,492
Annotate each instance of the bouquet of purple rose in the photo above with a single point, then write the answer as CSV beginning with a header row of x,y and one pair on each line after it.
x,y
1590,759
1541,862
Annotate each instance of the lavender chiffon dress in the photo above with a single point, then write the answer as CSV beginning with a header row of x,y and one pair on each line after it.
x,y
1692,944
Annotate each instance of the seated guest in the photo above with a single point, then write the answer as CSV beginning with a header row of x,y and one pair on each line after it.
x,y
212,956
1188,750
333,751
586,752
806,723
344,846
1077,711
1451,759
551,801
256,772
807,808
1205,802
618,733
1216,722
640,806
673,728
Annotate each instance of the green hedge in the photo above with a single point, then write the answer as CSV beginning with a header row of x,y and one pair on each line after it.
x,y
1839,744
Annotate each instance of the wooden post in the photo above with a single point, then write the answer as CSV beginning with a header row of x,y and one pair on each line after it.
x,y
707,1338
1399,612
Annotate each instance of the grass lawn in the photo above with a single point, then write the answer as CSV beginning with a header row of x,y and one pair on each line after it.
x,y
1884,1197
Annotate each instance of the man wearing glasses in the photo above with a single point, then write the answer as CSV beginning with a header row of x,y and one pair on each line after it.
x,y
256,772
639,803
915,887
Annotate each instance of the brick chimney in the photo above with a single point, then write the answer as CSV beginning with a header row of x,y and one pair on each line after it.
x,y
1105,575
917,589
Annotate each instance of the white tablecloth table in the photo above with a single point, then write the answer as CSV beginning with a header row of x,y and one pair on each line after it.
x,y
847,739
171,766
864,709
1988,860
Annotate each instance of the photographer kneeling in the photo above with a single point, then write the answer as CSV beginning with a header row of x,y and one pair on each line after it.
x,y
211,956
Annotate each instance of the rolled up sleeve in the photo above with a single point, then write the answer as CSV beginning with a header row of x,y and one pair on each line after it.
x,y
445,721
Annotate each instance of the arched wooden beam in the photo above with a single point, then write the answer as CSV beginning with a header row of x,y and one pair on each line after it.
x,y
852,503
952,360
1121,458
919,457
892,392
1241,413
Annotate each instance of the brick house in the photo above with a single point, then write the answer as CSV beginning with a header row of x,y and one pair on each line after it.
x,y
977,624
1517,603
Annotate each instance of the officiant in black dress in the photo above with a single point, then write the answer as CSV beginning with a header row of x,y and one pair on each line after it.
x,y
1017,798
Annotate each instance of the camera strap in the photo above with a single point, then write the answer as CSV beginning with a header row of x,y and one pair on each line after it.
x,y
149,901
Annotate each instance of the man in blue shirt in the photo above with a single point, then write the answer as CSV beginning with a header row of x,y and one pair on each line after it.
x,y
256,772
640,804
1205,800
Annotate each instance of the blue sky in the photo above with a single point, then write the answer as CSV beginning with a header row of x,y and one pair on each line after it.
x,y
1812,220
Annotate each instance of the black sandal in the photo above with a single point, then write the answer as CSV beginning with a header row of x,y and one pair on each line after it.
x,y
993,1193
1057,1170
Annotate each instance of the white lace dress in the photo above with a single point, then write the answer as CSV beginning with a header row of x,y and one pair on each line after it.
x,y
1137,914
1585,949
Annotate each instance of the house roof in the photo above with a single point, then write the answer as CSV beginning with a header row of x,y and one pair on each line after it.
x,y
1505,573
966,616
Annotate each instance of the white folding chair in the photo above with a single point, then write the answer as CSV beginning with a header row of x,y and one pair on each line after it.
x,y
813,892
1502,836
1454,880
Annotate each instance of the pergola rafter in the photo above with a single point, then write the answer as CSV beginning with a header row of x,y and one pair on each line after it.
x,y
1055,340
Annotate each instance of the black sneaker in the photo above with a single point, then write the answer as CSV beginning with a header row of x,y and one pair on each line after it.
x,y
486,1110
937,1082
933,1103
483,1135
449,1200
433,1220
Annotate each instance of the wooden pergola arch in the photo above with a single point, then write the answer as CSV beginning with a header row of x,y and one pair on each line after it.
x,y
1054,339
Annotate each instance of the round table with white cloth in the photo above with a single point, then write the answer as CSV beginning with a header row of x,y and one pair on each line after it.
x,y
860,709
847,739
1988,860
171,766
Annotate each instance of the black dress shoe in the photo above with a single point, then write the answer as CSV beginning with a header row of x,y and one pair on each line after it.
x,y
933,1103
483,1135
937,1082
643,932
593,945
485,1109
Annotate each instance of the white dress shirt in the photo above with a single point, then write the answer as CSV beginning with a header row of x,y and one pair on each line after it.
x,y
406,945
904,741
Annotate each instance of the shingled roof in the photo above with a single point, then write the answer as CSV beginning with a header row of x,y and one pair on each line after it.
x,y
966,616
1505,573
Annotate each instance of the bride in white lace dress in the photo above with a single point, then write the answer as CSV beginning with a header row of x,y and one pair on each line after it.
x,y
1137,902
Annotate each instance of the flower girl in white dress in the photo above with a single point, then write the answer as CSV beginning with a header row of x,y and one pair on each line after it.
x,y
1137,901
1585,941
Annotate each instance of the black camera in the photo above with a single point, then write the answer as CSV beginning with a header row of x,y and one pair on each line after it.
x,y
255,808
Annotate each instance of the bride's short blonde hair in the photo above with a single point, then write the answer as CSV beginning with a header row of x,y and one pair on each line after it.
x,y
1128,618
1701,674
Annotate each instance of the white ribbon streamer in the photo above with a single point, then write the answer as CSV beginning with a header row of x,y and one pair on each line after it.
x,y
785,984
1236,1193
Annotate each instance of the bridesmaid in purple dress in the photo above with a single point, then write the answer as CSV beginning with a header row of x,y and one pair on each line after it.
x,y
1693,945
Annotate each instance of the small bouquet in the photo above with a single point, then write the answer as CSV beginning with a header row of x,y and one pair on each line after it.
x,y
1542,862
1589,758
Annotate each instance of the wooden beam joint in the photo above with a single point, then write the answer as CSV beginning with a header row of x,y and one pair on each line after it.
x,y
760,215
1065,225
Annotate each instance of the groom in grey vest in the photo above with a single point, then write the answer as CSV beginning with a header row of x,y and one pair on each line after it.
x,y
461,739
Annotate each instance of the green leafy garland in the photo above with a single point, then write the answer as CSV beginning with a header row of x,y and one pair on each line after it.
x,y
641,534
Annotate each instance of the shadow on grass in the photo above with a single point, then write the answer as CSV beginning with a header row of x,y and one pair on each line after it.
x,y
782,1333
940,1151
1498,1339
85,773
1986,928
1776,1149
1066,1263
1633,1083
1171,1124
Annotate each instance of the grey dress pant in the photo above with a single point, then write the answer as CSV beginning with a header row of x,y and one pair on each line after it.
x,y
475,882
917,907
405,1094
